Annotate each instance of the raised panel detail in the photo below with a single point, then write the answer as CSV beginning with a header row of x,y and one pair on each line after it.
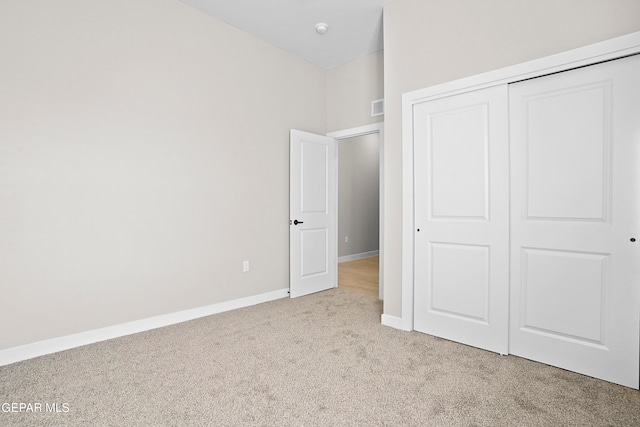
x,y
568,139
460,280
314,243
563,293
314,179
459,166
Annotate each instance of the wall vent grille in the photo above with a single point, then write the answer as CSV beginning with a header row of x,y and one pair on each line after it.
x,y
377,107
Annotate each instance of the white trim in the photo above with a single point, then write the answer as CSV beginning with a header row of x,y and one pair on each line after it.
x,y
366,130
406,300
41,348
392,322
583,56
354,257
357,131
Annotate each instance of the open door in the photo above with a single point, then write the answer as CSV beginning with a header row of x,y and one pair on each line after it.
x,y
312,220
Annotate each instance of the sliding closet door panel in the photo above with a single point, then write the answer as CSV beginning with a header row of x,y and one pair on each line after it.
x,y
575,277
462,220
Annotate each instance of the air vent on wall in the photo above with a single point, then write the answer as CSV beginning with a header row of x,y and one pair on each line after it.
x,y
377,107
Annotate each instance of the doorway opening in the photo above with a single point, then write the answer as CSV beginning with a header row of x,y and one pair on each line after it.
x,y
360,201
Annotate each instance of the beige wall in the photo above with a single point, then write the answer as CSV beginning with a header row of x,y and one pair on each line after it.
x,y
358,194
433,41
351,88
144,144
144,154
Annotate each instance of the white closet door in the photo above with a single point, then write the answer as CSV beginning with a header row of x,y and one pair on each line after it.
x,y
462,218
575,276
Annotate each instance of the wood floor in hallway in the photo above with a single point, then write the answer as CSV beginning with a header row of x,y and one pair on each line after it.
x,y
360,275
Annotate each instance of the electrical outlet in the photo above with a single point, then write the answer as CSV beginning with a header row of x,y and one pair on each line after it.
x,y
346,239
245,266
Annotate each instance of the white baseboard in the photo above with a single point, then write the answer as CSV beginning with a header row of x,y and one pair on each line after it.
x,y
354,257
41,348
392,322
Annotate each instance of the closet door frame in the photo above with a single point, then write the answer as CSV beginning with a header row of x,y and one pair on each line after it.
x,y
599,52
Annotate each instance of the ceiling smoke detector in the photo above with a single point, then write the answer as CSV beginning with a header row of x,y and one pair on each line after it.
x,y
321,28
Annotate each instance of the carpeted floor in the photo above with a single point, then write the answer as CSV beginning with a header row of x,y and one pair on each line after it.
x,y
323,359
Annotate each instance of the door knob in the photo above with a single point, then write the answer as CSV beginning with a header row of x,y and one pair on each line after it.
x,y
296,222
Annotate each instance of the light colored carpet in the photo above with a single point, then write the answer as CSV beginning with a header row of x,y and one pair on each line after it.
x,y
323,359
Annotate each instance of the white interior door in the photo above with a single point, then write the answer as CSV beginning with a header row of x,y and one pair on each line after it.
x,y
575,278
461,174
312,202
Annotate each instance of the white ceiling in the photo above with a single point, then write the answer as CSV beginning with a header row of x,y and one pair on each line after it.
x,y
355,26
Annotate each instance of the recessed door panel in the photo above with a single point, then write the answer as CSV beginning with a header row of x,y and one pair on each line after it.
x,y
459,163
567,136
460,281
314,244
314,177
549,300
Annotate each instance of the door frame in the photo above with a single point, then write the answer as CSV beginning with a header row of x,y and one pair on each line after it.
x,y
588,55
352,133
